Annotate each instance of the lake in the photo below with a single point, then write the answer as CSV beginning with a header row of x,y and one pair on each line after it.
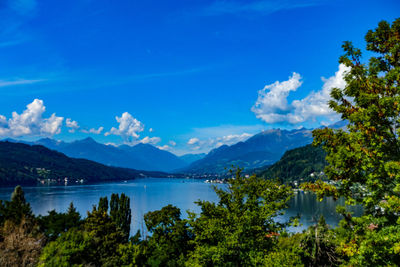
x,y
151,194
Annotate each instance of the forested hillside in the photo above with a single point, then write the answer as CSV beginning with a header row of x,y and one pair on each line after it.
x,y
28,165
305,163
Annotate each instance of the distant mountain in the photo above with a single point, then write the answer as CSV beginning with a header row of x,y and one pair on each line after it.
x,y
156,158
189,158
304,163
140,156
339,125
27,165
262,149
89,149
258,151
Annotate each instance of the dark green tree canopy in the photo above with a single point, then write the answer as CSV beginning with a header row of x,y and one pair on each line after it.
x,y
364,160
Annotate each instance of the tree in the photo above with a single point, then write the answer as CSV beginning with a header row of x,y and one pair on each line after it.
x,y
121,213
317,245
96,243
169,243
364,160
53,224
103,204
16,209
20,238
20,243
241,228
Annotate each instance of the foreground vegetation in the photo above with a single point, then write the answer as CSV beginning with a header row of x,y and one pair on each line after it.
x,y
241,228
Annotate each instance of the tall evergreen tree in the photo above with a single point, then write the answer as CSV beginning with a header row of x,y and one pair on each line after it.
x,y
103,204
121,213
17,208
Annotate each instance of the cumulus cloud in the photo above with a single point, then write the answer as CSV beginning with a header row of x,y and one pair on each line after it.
x,y
111,144
31,122
210,143
150,140
234,138
316,103
193,141
272,107
129,128
3,121
164,147
93,130
73,125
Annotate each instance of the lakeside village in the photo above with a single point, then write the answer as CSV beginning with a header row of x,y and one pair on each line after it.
x,y
209,179
295,184
46,180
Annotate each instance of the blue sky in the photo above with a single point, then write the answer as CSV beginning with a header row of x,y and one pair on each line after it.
x,y
186,76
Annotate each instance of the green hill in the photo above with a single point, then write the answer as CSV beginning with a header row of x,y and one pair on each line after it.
x,y
28,165
305,163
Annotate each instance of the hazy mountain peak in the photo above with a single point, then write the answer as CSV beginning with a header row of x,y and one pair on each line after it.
x,y
259,150
88,140
49,142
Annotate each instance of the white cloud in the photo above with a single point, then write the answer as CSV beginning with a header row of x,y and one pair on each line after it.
x,y
31,122
234,138
52,125
265,7
71,124
193,141
3,121
316,103
111,144
164,147
151,130
272,107
150,140
129,128
210,143
93,130
4,83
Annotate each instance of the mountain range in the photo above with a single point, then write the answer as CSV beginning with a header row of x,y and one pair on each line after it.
x,y
29,164
259,150
140,157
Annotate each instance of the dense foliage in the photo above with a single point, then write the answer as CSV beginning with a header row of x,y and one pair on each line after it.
x,y
241,228
304,163
25,164
364,160
95,240
21,240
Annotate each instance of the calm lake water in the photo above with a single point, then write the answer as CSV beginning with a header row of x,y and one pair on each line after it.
x,y
154,193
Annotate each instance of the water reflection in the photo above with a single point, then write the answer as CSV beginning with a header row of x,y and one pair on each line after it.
x,y
310,209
